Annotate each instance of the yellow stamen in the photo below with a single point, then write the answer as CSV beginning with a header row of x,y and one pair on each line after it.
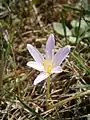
x,y
48,65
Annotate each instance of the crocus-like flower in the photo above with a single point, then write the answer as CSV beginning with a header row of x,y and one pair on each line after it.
x,y
50,63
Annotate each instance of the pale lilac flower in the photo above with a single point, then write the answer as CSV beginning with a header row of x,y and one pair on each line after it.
x,y
51,63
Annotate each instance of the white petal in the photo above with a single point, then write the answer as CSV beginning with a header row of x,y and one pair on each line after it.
x,y
57,69
35,65
61,55
42,76
35,53
50,46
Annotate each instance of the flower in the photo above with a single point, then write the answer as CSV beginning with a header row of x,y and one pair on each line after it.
x,y
50,63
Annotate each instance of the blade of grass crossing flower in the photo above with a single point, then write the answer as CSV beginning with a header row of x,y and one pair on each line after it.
x,y
31,110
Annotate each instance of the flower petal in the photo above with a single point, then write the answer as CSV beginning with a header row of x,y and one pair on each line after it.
x,y
42,76
57,69
35,53
61,55
50,46
35,65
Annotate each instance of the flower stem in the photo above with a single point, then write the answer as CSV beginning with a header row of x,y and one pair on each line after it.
x,y
48,92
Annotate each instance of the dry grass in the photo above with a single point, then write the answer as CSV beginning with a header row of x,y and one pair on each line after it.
x,y
69,100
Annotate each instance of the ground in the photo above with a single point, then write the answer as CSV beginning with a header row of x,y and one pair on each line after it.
x,y
32,23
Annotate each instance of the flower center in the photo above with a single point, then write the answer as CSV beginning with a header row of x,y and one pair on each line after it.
x,y
48,65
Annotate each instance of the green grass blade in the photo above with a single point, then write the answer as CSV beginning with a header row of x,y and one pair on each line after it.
x,y
64,27
31,110
80,61
78,30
